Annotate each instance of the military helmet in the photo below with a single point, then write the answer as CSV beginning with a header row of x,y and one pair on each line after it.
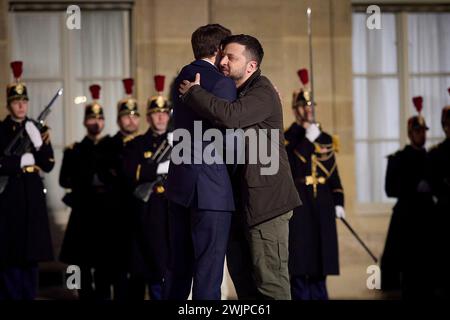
x,y
158,103
417,121
303,97
128,105
94,109
17,89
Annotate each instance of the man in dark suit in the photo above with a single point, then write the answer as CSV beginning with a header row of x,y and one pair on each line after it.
x,y
200,195
267,197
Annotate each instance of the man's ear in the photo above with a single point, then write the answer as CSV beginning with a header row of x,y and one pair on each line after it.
x,y
252,66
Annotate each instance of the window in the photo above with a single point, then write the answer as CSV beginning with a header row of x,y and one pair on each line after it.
x,y
406,58
55,56
429,66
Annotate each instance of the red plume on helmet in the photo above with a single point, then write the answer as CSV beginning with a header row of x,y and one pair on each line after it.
x,y
16,67
128,85
159,83
95,91
418,103
303,75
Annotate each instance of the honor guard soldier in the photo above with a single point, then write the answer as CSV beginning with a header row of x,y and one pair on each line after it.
x,y
410,227
24,227
86,242
313,245
439,178
146,163
120,191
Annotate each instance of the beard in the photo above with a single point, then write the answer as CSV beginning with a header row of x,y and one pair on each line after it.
x,y
234,75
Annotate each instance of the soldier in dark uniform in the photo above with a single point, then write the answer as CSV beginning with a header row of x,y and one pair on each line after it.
x,y
146,163
88,234
410,229
24,229
313,245
439,179
120,191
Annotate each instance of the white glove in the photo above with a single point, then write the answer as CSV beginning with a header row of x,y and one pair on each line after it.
x,y
34,134
170,138
163,167
312,132
27,160
340,212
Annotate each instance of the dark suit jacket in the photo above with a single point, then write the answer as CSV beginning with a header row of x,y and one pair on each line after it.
x,y
202,186
263,196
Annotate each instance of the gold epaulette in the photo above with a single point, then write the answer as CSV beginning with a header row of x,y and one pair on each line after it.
x,y
70,146
323,148
336,143
127,139
433,147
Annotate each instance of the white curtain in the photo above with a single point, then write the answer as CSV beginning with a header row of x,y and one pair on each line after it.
x,y
429,64
101,50
376,90
56,57
375,104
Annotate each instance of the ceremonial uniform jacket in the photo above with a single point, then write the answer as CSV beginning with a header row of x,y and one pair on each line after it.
x,y
24,226
313,244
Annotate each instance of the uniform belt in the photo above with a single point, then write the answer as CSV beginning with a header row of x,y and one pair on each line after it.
x,y
31,169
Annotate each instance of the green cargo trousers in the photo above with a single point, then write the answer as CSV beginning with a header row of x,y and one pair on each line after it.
x,y
268,243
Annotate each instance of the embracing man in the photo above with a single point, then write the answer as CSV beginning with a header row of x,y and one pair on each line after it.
x,y
200,195
266,200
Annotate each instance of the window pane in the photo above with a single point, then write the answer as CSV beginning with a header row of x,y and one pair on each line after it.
x,y
371,170
100,45
36,40
374,51
435,97
429,38
376,108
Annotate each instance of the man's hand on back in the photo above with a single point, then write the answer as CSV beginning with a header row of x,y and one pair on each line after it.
x,y
185,85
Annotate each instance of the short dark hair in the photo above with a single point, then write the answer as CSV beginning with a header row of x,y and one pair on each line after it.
x,y
206,40
252,46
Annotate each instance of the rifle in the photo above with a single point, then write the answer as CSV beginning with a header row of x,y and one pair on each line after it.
x,y
145,190
21,143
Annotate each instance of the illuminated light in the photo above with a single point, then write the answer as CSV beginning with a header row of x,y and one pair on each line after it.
x,y
80,99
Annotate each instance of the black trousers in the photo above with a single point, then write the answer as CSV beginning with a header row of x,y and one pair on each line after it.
x,y
198,243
